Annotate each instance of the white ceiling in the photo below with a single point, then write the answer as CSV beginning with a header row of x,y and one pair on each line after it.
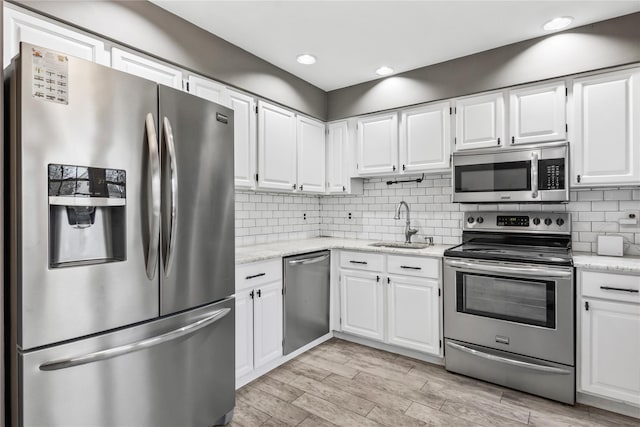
x,y
351,39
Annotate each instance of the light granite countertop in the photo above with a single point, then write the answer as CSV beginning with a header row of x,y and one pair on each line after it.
x,y
625,264
246,254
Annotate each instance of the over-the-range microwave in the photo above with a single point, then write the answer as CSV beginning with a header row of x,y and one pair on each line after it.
x,y
532,173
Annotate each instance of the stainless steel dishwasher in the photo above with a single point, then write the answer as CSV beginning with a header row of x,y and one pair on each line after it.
x,y
306,299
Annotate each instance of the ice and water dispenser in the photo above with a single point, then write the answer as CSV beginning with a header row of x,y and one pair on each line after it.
x,y
87,215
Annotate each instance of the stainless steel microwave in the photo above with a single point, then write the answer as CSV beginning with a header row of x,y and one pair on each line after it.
x,y
535,173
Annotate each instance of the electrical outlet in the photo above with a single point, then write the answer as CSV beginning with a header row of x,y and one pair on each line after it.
x,y
349,215
304,216
629,218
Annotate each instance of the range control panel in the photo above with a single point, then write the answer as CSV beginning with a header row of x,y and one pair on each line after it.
x,y
543,222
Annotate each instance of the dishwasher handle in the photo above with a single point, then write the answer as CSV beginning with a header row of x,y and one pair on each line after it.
x,y
306,261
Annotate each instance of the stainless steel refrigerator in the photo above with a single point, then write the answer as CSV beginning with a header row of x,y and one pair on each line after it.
x,y
121,249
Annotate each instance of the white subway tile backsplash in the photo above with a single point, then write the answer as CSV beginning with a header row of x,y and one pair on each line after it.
x,y
269,217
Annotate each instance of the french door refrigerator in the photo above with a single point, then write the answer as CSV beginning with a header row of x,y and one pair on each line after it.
x,y
121,249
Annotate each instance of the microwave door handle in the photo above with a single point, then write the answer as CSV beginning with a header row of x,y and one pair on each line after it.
x,y
144,344
534,175
154,220
508,361
173,165
540,273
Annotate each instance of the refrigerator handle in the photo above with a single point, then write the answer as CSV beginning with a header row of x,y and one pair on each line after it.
x,y
171,149
154,163
144,344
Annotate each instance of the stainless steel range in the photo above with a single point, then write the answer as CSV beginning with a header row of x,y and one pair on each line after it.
x,y
509,302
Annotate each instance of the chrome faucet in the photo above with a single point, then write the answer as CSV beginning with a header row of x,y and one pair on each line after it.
x,y
408,231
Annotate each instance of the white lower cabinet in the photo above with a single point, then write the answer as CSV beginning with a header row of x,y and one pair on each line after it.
x,y
258,315
393,299
609,359
361,304
412,308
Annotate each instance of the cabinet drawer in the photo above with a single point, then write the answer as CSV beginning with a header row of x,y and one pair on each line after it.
x,y
362,261
258,273
618,287
414,266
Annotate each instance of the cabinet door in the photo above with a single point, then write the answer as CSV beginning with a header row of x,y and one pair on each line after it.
x,y
606,142
311,160
480,121
244,332
208,89
20,27
244,119
412,307
377,144
267,323
362,310
276,147
538,113
146,68
425,136
338,180
610,350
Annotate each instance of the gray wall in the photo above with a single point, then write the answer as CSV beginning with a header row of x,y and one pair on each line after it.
x,y
149,28
600,45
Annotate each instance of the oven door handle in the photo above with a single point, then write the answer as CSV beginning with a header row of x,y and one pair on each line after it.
x,y
506,360
518,271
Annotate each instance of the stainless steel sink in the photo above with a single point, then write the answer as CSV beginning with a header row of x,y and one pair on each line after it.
x,y
400,245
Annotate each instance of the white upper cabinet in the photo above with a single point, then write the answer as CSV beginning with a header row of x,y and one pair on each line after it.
x,y
605,132
276,148
21,27
146,68
425,138
244,127
480,121
208,89
311,155
337,157
377,144
537,113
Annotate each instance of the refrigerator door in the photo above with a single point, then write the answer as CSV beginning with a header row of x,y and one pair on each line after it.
x,y
197,201
105,120
176,371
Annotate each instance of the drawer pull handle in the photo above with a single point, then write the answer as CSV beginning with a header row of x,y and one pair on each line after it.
x,y
408,267
612,288
358,262
255,275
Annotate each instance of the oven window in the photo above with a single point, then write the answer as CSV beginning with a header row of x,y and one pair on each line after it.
x,y
528,301
488,177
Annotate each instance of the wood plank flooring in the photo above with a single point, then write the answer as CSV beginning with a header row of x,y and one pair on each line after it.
x,y
340,383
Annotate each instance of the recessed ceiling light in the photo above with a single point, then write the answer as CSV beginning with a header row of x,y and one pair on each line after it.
x,y
558,23
306,59
384,71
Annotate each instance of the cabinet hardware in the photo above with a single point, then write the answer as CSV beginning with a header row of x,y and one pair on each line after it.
x,y
358,262
404,167
294,186
455,110
251,294
254,276
586,305
256,177
259,293
394,167
440,343
578,178
256,109
566,91
408,267
388,280
513,139
377,278
498,141
455,140
450,110
301,185
566,127
344,188
187,86
613,288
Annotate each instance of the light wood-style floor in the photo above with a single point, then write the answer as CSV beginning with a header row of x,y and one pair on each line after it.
x,y
346,384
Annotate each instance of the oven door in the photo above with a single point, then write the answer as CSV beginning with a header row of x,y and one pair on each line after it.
x,y
518,308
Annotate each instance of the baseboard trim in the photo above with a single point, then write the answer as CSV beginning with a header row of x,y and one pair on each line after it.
x,y
608,404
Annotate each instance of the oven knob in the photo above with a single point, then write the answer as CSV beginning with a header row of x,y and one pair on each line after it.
x,y
471,220
536,221
547,221
480,220
560,222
